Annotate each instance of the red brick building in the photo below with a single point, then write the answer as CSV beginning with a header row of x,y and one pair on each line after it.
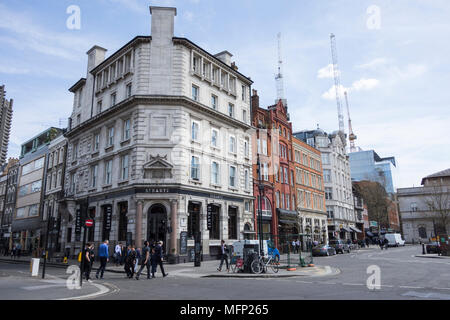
x,y
273,141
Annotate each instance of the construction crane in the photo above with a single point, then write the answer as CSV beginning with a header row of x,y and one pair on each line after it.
x,y
279,75
337,82
351,136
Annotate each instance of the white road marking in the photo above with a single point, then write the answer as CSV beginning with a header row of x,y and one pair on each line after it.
x,y
303,281
441,288
410,287
46,286
353,284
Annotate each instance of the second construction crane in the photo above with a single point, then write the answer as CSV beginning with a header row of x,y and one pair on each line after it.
x,y
338,88
351,136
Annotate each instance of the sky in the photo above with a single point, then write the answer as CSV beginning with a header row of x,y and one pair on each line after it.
x,y
393,61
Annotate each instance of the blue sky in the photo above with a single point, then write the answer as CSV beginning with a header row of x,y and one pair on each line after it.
x,y
397,75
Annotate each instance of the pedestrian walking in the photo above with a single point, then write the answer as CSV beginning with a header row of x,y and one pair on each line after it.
x,y
117,254
159,255
297,245
145,260
123,253
224,255
293,246
367,242
386,243
13,252
130,261
88,261
138,259
153,261
103,254
18,250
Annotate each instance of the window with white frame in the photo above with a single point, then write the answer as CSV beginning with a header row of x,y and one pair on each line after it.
x,y
96,142
232,180
195,168
126,129
231,110
194,131
215,173
244,92
288,204
110,136
214,137
75,151
108,172
99,106
277,198
232,144
214,102
246,148
282,201
326,175
128,90
244,116
125,166
195,92
94,174
113,99
265,169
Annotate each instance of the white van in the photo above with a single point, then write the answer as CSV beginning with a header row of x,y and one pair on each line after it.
x,y
395,239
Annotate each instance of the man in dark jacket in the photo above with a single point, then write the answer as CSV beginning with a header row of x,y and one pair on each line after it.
x,y
224,255
159,257
130,261
145,258
386,243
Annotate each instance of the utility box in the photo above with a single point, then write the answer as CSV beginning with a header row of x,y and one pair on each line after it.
x,y
34,267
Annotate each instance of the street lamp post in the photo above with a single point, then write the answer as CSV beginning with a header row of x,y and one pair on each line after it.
x,y
260,193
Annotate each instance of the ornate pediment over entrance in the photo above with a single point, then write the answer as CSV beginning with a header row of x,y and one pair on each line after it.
x,y
158,168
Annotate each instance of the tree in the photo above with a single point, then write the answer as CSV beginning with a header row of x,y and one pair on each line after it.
x,y
376,199
437,199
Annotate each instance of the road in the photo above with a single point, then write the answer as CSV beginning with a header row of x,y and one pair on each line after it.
x,y
402,276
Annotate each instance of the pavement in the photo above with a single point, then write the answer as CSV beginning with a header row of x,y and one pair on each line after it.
x,y
432,255
369,273
206,269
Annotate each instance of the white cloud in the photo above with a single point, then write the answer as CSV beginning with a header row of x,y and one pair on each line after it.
x,y
373,64
326,72
5,69
362,84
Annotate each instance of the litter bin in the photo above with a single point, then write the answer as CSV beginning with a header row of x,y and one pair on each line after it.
x,y
34,267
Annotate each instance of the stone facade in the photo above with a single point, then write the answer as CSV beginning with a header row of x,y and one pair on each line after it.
x,y
337,181
141,146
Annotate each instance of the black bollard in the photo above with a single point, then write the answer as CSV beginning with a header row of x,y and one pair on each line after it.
x,y
423,248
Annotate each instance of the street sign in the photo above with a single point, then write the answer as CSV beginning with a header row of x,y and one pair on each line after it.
x,y
373,224
209,216
89,223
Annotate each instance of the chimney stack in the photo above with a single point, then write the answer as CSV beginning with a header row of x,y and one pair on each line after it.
x,y
225,57
255,99
163,19
96,55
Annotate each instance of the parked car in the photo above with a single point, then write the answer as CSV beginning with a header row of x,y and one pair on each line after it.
x,y
432,247
340,246
395,239
323,250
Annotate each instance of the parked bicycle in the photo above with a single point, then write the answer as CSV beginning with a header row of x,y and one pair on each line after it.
x,y
261,265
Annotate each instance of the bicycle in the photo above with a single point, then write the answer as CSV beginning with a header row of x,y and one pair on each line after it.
x,y
262,264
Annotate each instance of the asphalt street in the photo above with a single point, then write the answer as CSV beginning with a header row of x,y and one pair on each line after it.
x,y
401,276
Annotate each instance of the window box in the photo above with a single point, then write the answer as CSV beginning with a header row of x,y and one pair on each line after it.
x,y
110,148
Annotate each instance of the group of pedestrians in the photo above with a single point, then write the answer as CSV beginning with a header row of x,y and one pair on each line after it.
x,y
383,243
150,258
295,246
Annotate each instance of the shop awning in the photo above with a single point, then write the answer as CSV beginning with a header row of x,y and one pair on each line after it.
x,y
248,231
346,229
355,229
